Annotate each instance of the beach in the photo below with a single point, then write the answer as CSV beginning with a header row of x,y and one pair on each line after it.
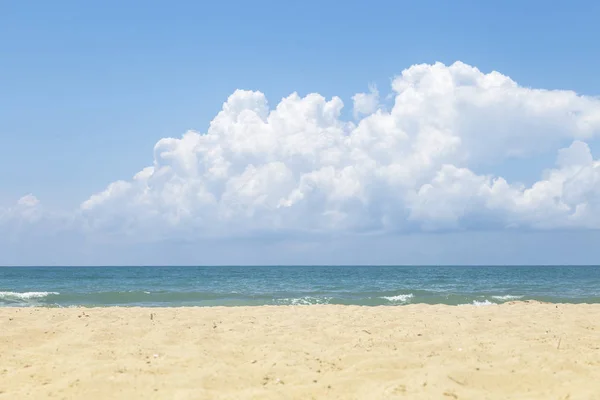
x,y
525,350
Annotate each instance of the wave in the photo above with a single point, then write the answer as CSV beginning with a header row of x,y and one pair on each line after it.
x,y
147,297
304,301
495,300
483,303
400,298
507,297
25,295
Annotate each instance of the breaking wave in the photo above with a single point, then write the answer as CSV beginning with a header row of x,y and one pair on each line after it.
x,y
25,298
401,298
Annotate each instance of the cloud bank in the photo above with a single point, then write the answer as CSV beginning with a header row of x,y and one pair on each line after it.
x,y
408,166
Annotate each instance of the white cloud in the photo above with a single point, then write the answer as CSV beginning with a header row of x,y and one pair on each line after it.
x,y
27,219
26,210
568,196
300,167
366,103
28,201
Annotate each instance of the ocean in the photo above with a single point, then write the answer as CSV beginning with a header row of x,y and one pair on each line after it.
x,y
295,285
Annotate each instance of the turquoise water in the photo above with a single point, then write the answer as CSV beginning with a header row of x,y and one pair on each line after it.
x,y
237,286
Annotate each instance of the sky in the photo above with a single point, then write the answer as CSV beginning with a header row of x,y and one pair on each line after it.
x,y
382,132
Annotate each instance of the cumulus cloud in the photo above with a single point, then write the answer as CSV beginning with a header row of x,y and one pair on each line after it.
x,y
366,103
20,219
27,209
28,219
300,167
567,197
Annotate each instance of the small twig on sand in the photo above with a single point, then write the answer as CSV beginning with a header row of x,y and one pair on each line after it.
x,y
366,331
558,346
456,381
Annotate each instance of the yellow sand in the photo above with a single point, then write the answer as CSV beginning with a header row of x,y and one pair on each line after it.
x,y
512,351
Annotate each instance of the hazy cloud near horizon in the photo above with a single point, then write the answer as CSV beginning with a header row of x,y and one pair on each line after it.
x,y
407,163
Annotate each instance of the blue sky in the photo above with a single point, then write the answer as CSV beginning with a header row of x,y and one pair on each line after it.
x,y
89,89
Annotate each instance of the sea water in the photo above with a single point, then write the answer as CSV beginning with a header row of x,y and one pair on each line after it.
x,y
295,285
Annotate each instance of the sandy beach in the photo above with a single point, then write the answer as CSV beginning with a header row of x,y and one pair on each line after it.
x,y
515,350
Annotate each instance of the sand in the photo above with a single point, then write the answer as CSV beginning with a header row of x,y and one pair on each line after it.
x,y
512,351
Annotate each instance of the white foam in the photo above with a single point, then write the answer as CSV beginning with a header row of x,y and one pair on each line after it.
x,y
483,303
305,301
401,298
24,295
507,297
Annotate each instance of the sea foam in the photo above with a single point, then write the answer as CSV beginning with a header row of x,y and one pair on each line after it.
x,y
401,298
507,297
483,303
25,295
304,301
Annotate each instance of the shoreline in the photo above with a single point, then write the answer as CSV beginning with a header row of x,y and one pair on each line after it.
x,y
510,303
315,305
519,349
